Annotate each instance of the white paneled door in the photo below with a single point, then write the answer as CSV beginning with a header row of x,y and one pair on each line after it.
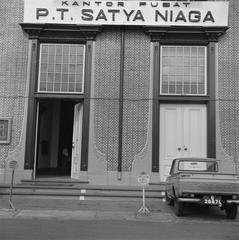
x,y
77,141
183,133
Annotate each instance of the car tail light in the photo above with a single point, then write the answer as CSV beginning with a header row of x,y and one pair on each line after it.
x,y
191,195
234,197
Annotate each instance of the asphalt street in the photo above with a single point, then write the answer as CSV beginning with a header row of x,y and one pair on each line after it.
x,y
92,219
39,229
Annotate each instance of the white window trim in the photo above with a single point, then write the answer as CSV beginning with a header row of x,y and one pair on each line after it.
x,y
61,92
205,72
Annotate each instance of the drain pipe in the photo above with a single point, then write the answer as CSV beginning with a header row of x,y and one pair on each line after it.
x,y
121,96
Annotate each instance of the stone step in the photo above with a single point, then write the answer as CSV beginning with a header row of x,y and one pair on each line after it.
x,y
57,188
86,183
82,192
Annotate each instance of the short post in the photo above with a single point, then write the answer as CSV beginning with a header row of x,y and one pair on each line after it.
x,y
12,165
143,179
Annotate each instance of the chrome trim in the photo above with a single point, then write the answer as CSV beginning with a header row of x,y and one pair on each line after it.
x,y
189,199
233,201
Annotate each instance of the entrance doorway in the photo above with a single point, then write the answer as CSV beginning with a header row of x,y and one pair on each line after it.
x,y
183,133
54,139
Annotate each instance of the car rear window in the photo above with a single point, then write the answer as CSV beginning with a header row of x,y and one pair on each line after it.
x,y
198,166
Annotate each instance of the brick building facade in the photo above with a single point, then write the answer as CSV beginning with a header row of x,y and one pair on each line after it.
x,y
121,105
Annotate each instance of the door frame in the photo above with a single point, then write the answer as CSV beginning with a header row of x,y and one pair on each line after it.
x,y
36,140
37,131
209,100
34,96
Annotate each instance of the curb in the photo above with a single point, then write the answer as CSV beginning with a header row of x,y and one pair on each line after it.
x,y
85,215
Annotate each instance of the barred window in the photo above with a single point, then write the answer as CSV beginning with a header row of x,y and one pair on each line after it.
x,y
183,70
61,68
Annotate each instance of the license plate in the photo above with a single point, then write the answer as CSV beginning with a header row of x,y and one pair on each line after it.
x,y
212,200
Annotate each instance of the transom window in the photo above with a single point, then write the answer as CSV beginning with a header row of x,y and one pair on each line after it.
x,y
61,68
183,70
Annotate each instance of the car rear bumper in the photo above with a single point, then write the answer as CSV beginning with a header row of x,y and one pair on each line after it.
x,y
233,201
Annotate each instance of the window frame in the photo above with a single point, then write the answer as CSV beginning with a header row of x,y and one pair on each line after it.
x,y
6,137
198,171
39,70
205,72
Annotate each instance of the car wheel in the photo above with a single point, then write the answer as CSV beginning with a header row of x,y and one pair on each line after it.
x,y
178,207
231,211
169,201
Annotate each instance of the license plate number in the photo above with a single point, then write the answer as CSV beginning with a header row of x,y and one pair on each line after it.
x,y
212,200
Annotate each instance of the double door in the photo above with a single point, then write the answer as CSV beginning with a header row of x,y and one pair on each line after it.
x,y
183,133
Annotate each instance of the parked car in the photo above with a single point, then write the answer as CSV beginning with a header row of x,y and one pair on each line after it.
x,y
202,181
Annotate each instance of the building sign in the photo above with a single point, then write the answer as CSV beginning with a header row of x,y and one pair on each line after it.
x,y
143,179
145,12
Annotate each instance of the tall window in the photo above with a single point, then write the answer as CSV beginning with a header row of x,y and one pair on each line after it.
x,y
61,68
183,70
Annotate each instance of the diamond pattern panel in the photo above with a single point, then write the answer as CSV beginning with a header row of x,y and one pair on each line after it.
x,y
136,96
107,75
228,75
13,67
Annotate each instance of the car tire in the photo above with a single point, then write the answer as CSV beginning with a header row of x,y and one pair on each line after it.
x,y
231,211
169,201
178,207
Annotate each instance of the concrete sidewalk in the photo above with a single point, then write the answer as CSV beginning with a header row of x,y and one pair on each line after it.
x,y
103,209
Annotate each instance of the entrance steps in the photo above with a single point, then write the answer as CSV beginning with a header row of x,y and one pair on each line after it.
x,y
71,188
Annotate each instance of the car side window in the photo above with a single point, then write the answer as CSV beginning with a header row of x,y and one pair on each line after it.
x,y
172,170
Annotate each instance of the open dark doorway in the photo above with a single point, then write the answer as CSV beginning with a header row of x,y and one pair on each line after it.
x,y
54,144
